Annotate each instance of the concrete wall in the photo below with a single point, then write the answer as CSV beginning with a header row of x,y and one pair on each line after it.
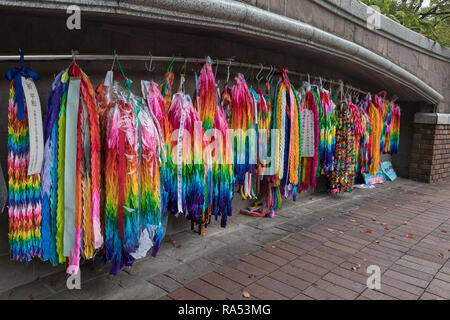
x,y
38,32
427,61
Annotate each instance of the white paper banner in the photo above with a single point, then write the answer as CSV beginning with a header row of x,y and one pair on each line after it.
x,y
180,160
35,126
307,133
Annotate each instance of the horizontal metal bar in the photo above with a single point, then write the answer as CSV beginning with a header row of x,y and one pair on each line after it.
x,y
104,57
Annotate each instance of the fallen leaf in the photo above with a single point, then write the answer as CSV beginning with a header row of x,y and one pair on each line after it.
x,y
367,231
441,254
444,231
54,283
410,235
273,247
331,230
352,220
429,201
176,244
316,212
387,228
251,275
374,219
384,223
357,267
246,294
377,241
405,222
341,232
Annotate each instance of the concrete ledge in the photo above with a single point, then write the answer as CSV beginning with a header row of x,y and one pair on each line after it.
x,y
245,20
432,118
356,12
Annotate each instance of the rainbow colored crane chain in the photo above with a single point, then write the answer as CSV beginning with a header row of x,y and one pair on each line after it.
x,y
24,191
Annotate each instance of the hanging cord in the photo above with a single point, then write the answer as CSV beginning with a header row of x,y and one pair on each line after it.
x,y
126,81
170,67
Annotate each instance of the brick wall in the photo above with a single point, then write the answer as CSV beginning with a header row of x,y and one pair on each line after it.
x,y
430,156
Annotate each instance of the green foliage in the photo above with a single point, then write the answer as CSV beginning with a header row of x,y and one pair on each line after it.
x,y
433,21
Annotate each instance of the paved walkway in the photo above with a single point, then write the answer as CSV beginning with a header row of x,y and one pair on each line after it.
x,y
405,234
316,248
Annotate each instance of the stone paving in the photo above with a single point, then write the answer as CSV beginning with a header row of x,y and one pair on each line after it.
x,y
404,233
316,248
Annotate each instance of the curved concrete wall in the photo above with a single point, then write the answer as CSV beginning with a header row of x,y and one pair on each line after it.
x,y
347,19
227,15
300,34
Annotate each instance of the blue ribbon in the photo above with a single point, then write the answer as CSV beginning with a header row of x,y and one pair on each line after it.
x,y
16,74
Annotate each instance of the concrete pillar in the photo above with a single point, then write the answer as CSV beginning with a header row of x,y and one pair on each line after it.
x,y
430,154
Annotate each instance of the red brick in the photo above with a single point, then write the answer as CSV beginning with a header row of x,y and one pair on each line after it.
x,y
185,294
270,257
260,263
235,275
300,263
290,280
222,282
280,252
336,290
279,287
300,273
320,294
263,293
206,290
290,248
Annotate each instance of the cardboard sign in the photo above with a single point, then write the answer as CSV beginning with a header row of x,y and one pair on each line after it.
x,y
388,171
378,178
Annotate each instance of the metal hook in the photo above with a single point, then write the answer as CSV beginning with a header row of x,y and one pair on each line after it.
x,y
114,60
217,67
269,74
74,53
149,67
21,58
274,69
258,78
228,70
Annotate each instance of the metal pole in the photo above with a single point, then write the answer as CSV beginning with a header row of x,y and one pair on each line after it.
x,y
105,57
